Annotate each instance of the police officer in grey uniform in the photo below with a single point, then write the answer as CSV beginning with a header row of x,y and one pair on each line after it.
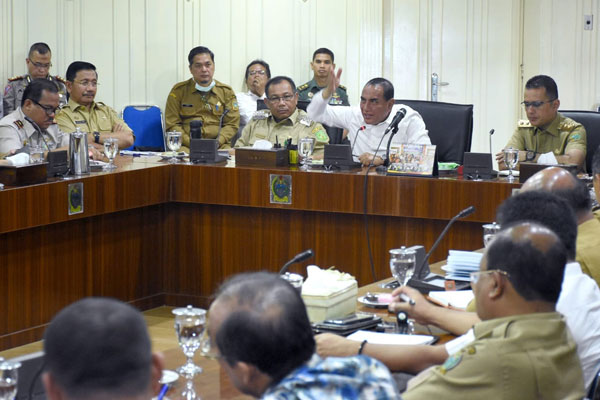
x,y
38,66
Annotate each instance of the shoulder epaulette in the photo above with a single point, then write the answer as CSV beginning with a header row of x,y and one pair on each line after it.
x,y
303,86
16,78
58,78
261,114
524,123
18,123
568,124
342,87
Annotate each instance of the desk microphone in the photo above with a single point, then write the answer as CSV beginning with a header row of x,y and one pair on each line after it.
x,y
362,128
305,255
491,133
221,122
466,212
196,129
394,125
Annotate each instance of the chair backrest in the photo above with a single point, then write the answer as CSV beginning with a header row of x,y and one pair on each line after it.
x,y
147,124
450,127
591,121
29,374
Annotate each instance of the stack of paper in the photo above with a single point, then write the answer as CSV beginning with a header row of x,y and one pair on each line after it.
x,y
455,299
461,263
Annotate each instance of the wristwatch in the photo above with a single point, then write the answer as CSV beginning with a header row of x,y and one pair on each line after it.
x,y
97,137
530,156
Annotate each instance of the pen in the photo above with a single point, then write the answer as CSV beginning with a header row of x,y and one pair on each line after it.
x,y
163,391
407,299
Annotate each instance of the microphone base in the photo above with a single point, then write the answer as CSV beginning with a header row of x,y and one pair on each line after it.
x,y
205,151
434,282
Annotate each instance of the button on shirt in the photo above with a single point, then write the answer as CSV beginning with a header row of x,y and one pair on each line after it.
x,y
16,131
410,130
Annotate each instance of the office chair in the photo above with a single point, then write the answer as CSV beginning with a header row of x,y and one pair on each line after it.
x,y
30,376
147,124
591,121
450,127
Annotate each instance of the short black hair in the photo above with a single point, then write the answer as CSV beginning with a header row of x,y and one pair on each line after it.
x,y
544,208
77,66
279,79
543,81
268,326
388,88
99,346
578,196
200,50
34,90
261,62
324,50
536,272
40,47
596,162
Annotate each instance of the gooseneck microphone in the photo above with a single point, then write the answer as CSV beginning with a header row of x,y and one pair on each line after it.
x,y
491,133
305,255
361,129
394,125
464,213
221,122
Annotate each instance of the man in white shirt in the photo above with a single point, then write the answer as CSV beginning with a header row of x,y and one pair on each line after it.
x,y
257,75
368,124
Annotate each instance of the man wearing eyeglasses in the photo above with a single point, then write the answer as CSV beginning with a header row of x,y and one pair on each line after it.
x,y
546,137
283,120
96,118
38,66
32,123
257,75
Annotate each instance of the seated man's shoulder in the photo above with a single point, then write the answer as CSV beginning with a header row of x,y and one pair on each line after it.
x,y
567,124
181,85
524,124
224,87
260,115
104,107
342,88
15,79
12,120
304,86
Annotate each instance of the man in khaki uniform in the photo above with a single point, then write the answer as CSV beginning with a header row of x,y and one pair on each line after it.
x,y
38,66
83,112
284,120
205,99
547,137
522,348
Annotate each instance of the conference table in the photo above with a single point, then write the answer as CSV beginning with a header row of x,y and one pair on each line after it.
x,y
153,233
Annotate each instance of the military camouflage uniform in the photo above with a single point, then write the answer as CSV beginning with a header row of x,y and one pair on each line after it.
x,y
13,92
562,135
309,89
296,126
185,104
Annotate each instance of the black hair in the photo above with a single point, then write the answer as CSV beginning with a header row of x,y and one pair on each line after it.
x,y
261,62
34,90
324,50
577,195
388,88
200,50
279,79
77,66
268,326
40,47
543,81
535,271
99,346
544,208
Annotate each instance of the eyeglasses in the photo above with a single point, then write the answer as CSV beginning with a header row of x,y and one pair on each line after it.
x,y
286,98
49,110
535,104
87,83
474,276
40,65
258,71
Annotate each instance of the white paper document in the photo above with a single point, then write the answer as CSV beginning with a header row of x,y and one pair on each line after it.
x,y
457,298
390,338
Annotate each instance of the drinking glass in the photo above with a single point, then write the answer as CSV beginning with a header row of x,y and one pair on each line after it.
x,y
36,155
305,150
111,147
489,231
402,264
9,373
511,158
189,327
174,144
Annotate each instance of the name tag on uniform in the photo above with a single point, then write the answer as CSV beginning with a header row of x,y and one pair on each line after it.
x,y
187,105
80,122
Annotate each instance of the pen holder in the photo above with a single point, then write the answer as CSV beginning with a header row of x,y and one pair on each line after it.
x,y
293,150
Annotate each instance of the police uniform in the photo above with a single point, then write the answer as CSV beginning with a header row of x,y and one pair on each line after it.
x,y
13,92
309,89
562,135
530,356
100,118
17,131
296,126
185,104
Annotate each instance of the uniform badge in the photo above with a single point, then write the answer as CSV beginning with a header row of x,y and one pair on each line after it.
x,y
576,136
451,362
75,198
320,134
310,94
235,105
260,114
19,124
6,90
280,188
304,120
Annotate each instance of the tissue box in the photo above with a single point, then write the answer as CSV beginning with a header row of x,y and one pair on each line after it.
x,y
337,304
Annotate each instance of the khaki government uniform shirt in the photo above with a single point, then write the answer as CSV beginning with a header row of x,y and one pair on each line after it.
x,y
530,356
588,247
561,135
101,118
185,104
13,92
296,126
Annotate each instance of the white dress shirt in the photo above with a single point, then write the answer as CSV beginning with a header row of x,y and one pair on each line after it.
x,y
247,104
410,130
579,302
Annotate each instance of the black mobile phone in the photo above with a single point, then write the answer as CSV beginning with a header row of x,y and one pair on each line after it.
x,y
350,319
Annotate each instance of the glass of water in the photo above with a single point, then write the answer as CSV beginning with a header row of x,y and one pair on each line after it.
x,y
111,147
174,144
305,150
189,327
489,231
402,264
511,159
9,374
36,155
